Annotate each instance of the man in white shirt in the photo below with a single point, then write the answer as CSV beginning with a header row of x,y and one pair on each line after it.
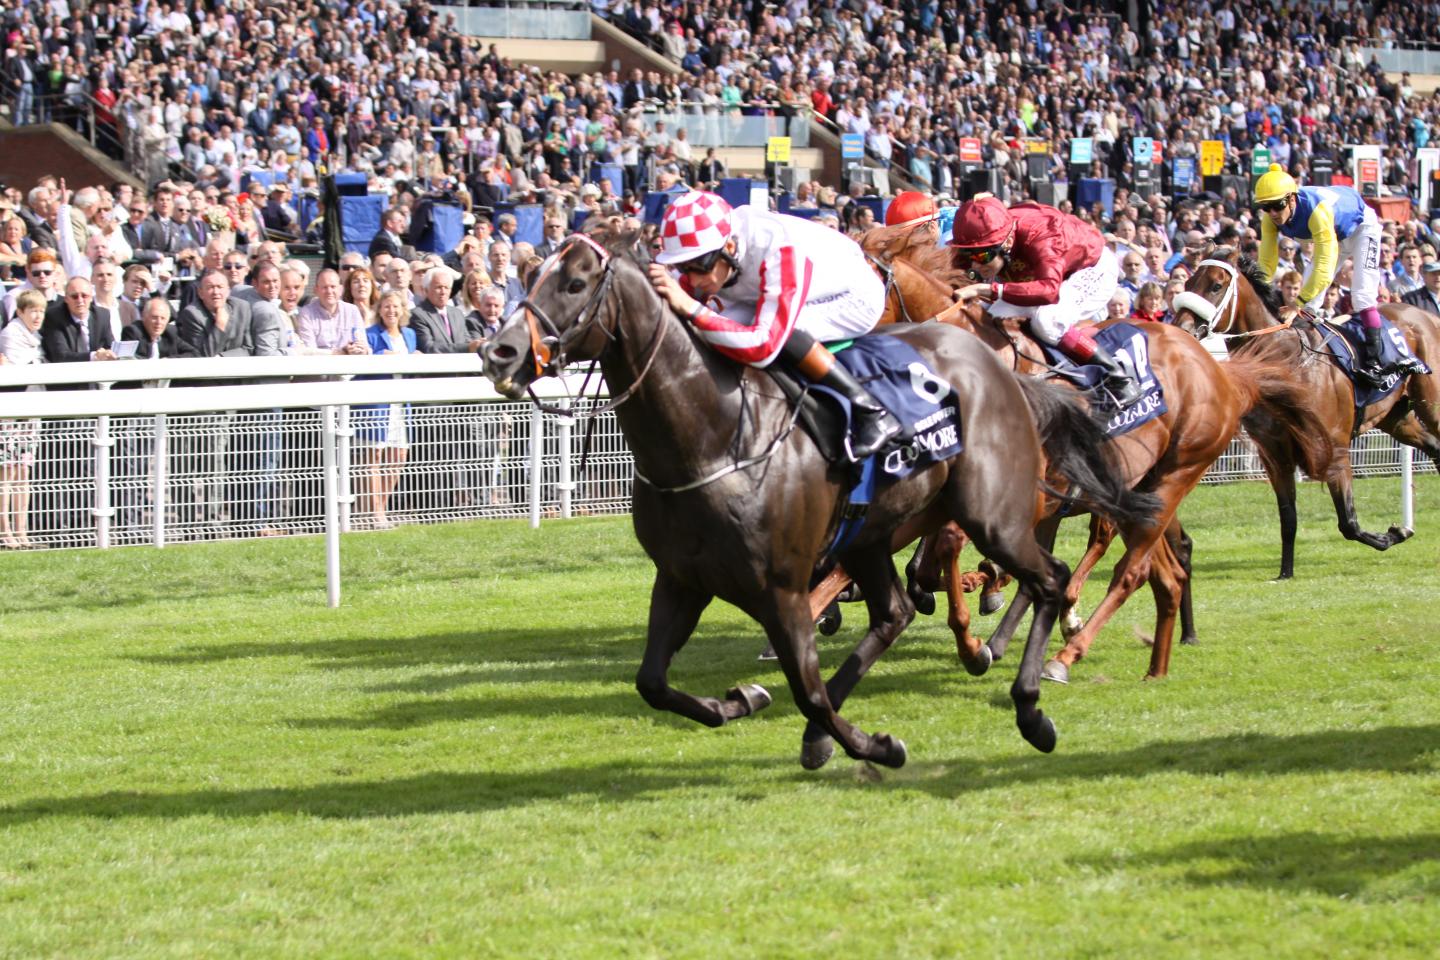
x,y
329,323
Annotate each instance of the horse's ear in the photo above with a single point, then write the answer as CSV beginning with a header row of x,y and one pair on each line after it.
x,y
1207,251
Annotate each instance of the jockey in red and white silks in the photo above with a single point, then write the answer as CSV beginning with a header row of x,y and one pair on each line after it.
x,y
757,285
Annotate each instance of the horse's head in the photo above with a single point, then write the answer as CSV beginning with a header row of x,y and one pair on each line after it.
x,y
1226,295
565,317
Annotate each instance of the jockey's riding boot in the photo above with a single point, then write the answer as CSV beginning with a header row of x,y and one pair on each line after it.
x,y
1371,370
1121,385
871,425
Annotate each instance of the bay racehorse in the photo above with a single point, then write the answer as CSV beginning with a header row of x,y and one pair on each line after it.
x,y
731,501
1228,296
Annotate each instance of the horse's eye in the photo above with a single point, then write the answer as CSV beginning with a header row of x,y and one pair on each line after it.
x,y
575,286
1214,288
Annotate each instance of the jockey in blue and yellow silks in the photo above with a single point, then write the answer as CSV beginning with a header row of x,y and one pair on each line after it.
x,y
1338,223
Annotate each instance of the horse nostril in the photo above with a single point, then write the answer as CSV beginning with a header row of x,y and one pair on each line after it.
x,y
502,352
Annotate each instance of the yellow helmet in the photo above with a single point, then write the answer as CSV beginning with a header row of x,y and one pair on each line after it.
x,y
1275,184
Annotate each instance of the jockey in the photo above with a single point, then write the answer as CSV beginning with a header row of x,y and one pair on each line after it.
x,y
1340,225
757,285
917,211
1049,267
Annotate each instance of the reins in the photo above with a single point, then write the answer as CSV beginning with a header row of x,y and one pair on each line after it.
x,y
1207,311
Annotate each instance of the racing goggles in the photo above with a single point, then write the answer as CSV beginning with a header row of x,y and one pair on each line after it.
x,y
984,254
1273,206
703,263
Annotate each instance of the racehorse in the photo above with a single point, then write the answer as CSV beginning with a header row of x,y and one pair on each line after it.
x,y
1204,402
731,501
1227,295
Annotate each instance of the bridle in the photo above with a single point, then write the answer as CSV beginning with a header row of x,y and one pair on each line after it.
x,y
549,344
1207,311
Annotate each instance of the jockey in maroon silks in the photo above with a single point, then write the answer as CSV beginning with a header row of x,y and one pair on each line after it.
x,y
1050,268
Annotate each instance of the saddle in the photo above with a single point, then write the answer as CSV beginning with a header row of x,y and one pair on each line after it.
x,y
1343,340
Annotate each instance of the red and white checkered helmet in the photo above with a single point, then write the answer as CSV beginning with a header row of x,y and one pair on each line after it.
x,y
696,224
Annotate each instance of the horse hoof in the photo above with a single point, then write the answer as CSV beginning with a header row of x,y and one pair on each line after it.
x,y
895,752
767,654
980,663
754,696
1072,624
1056,671
1400,534
1190,641
924,601
990,602
814,754
851,594
994,657
829,622
1040,734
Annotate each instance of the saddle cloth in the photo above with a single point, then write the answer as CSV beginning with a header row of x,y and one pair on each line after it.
x,y
1130,347
1346,345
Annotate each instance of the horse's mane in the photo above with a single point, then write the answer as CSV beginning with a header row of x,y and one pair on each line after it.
x,y
611,234
1249,268
893,243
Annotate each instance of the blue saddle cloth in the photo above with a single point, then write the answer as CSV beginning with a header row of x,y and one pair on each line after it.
x,y
1130,347
1346,345
923,401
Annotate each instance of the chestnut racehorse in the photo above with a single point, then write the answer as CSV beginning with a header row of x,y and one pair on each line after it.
x,y
1227,295
1166,456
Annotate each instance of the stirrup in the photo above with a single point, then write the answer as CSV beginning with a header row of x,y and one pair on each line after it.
x,y
1124,389
886,427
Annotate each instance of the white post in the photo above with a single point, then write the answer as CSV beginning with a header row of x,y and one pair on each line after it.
x,y
161,460
102,444
1407,488
332,519
566,486
344,432
537,450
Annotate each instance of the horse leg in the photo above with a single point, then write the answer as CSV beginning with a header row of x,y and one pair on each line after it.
x,y
992,595
1000,640
674,611
1343,497
890,613
974,655
1282,480
1166,587
1102,534
1183,548
1132,570
1412,432
922,577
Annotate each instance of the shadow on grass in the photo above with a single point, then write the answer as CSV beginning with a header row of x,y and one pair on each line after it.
x,y
1388,749
1362,868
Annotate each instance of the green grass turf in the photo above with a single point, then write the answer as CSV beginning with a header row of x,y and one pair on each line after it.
x,y
197,758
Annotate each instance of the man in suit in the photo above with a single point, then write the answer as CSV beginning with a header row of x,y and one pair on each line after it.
x,y
502,276
439,325
74,331
554,233
159,232
387,239
136,212
156,335
39,215
215,325
273,333
1427,297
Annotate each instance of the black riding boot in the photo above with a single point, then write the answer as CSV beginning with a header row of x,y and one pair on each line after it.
x,y
1124,387
871,425
1376,372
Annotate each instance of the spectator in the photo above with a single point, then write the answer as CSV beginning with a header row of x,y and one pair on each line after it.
x,y
329,323
159,233
360,288
19,439
1132,271
1289,284
39,214
387,238
14,245
439,325
136,287
1119,306
74,329
1150,304
215,325
382,430
554,233
1427,297
155,333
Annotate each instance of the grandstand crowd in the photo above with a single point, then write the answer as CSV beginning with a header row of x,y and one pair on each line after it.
x,y
230,114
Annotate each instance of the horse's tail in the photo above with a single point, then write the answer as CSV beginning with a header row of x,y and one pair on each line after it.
x,y
1077,447
1272,388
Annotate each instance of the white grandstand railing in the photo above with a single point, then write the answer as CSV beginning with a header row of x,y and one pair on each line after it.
x,y
127,466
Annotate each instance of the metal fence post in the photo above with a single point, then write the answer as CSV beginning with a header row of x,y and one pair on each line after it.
x,y
344,432
331,494
102,444
537,449
566,486
161,460
1407,488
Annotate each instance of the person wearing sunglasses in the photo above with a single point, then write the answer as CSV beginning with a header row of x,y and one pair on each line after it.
x,y
1340,226
742,286
1050,268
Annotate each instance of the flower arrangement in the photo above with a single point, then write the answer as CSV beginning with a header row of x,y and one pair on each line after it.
x,y
218,218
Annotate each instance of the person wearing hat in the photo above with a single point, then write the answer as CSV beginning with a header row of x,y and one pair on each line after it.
x,y
760,286
1339,225
1050,268
1427,296
918,212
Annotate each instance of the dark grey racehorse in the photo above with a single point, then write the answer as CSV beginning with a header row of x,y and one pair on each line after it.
x,y
731,501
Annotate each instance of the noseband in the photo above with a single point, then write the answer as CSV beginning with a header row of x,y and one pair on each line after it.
x,y
1207,311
